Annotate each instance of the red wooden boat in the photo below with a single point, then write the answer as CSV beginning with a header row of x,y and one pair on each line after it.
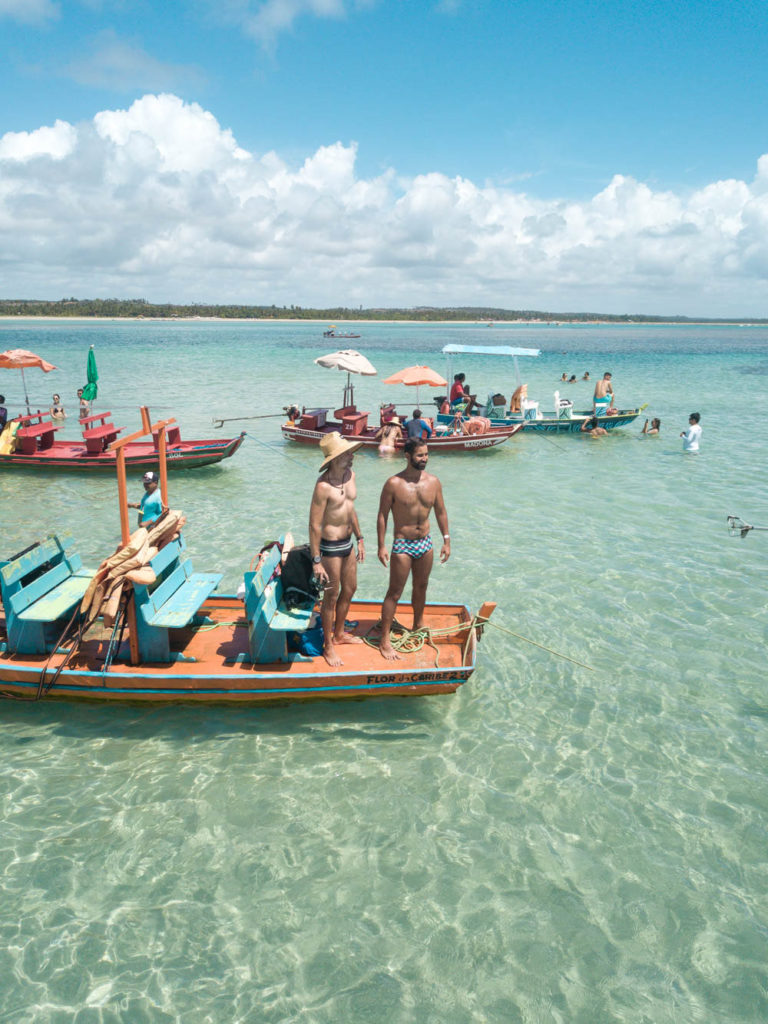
x,y
145,627
308,426
33,446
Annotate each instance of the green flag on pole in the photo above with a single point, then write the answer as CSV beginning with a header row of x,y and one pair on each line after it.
x,y
90,391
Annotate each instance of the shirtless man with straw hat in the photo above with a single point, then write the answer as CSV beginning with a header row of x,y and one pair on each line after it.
x,y
332,526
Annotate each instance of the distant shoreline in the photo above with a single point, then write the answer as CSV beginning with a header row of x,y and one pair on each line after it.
x,y
4,318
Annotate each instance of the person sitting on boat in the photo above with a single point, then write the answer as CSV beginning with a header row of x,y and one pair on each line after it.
x,y
57,409
460,393
388,434
458,425
604,398
516,401
654,428
592,427
151,505
332,525
416,426
3,412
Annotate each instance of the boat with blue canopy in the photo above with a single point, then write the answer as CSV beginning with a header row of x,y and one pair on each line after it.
x,y
562,419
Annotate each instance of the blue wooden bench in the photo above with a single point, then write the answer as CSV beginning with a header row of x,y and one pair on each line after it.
x,y
171,602
269,620
41,587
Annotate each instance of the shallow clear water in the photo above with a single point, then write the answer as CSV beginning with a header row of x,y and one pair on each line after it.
x,y
554,843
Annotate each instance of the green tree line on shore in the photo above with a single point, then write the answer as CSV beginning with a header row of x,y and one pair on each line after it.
x,y
140,308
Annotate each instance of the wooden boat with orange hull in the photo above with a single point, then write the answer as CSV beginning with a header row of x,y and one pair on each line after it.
x,y
212,665
29,443
145,626
311,425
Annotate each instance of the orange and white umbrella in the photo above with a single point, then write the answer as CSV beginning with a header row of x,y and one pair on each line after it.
x,y
21,359
416,376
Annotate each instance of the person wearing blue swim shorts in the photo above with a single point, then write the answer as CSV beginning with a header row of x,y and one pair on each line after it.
x,y
604,397
410,496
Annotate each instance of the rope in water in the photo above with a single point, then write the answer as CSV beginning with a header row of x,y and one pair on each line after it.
x,y
549,650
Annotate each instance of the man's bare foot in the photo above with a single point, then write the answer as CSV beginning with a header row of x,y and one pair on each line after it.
x,y
386,650
331,656
347,638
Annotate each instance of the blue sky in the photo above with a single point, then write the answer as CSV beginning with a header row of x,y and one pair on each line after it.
x,y
583,155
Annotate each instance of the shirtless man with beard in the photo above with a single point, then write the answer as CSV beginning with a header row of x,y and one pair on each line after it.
x,y
410,496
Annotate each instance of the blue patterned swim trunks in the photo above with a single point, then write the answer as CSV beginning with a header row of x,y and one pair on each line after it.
x,y
415,548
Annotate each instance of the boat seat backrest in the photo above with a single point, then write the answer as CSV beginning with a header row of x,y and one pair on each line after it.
x,y
269,620
40,588
171,602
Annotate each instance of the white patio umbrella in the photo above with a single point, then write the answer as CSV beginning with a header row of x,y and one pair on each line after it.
x,y
349,362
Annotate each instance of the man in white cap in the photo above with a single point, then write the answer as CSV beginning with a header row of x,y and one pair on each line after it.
x,y
332,526
151,505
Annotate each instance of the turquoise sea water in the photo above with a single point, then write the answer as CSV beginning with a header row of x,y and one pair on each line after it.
x,y
551,844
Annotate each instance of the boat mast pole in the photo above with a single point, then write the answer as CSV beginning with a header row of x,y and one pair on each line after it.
x,y
26,396
125,536
122,496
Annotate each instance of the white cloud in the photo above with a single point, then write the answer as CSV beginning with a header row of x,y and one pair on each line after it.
x,y
29,12
265,20
56,143
118,64
159,200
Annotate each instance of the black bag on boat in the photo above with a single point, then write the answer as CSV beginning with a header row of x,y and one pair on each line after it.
x,y
300,585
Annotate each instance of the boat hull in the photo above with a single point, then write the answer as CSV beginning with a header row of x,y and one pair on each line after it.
x,y
218,673
439,443
553,425
73,457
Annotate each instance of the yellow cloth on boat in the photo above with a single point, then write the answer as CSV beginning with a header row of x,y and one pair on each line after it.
x,y
8,438
129,563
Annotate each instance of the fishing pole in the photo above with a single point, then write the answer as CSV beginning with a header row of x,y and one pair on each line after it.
x,y
233,419
737,525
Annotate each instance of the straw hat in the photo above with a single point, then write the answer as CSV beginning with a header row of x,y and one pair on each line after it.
x,y
333,445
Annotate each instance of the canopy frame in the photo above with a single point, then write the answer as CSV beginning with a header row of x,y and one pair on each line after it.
x,y
487,350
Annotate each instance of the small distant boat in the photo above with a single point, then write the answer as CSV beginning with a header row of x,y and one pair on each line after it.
x,y
333,333
28,443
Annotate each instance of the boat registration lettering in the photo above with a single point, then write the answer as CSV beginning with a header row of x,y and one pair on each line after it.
x,y
419,677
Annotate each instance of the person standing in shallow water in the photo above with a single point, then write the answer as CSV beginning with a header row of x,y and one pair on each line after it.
x,y
332,525
410,496
692,435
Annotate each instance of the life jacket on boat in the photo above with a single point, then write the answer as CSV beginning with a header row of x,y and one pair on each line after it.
x,y
478,425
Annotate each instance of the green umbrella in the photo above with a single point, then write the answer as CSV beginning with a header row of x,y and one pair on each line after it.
x,y
90,391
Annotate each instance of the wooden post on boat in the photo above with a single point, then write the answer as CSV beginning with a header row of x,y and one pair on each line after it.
x,y
122,496
162,455
473,635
